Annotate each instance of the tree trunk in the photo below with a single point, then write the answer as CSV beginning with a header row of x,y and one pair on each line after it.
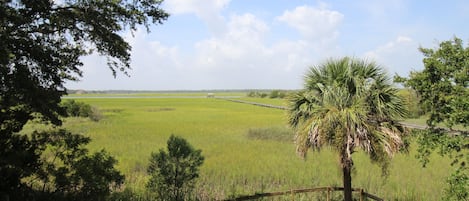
x,y
347,182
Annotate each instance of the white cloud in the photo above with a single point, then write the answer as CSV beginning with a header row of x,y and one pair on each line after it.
x,y
244,37
207,10
390,47
145,50
241,55
397,56
316,23
403,39
245,50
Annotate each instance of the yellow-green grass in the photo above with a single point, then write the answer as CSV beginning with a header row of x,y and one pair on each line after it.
x,y
270,101
234,163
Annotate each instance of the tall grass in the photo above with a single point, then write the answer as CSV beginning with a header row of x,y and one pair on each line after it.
x,y
235,162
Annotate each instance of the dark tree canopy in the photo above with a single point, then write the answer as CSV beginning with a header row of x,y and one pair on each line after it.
x,y
42,42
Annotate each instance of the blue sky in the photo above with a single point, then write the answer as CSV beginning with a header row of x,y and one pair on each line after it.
x,y
260,44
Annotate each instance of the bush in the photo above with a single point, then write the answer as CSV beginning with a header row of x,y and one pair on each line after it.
x,y
252,94
257,94
173,173
458,185
80,109
277,94
69,172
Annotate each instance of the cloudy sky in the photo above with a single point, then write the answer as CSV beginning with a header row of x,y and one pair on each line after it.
x,y
269,44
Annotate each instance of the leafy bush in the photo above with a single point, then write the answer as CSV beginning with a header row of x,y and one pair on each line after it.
x,y
257,94
173,173
69,172
458,185
80,109
278,94
252,94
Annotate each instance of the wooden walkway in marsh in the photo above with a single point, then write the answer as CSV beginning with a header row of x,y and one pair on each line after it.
x,y
405,124
255,103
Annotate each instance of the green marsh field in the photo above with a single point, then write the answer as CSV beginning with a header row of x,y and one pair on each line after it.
x,y
238,160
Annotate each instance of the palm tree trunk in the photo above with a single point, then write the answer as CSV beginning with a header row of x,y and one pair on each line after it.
x,y
347,182
346,162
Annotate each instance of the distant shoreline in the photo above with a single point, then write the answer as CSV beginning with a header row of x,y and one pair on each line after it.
x,y
83,91
138,97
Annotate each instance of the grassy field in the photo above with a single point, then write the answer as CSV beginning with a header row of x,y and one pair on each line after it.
x,y
235,163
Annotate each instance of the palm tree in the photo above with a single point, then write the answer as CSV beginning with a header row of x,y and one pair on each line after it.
x,y
347,104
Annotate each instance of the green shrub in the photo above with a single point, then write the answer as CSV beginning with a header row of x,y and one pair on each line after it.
x,y
257,94
278,94
252,94
80,109
173,173
70,172
458,185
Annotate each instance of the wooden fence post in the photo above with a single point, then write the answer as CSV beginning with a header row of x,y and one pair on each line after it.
x,y
361,194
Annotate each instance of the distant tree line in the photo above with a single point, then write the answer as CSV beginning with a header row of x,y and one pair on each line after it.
x,y
268,94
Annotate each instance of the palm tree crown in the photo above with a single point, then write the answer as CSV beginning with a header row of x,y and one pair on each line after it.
x,y
347,104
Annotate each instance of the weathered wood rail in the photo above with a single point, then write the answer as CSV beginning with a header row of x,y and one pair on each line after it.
x,y
362,194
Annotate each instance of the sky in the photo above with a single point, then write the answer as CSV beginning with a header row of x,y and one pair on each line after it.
x,y
270,44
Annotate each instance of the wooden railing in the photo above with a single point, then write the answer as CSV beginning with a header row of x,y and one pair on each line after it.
x,y
362,194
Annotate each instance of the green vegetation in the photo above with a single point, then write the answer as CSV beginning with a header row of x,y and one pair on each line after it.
x,y
443,88
443,84
236,164
277,133
68,171
268,94
411,103
173,173
80,109
268,101
348,104
42,44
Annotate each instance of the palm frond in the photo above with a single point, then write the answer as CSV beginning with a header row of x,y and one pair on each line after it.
x,y
347,103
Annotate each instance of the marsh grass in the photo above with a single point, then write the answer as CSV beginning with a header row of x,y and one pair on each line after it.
x,y
277,133
270,101
240,156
